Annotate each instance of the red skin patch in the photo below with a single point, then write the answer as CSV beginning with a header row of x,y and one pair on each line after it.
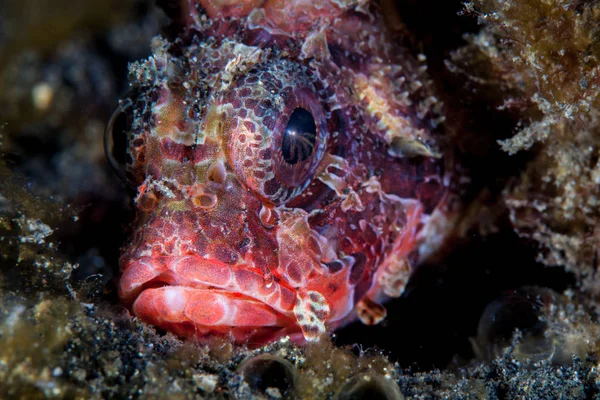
x,y
233,239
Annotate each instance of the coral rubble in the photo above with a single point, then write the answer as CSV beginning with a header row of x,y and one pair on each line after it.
x,y
541,59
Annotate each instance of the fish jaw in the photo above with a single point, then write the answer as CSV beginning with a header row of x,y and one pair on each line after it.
x,y
195,297
199,298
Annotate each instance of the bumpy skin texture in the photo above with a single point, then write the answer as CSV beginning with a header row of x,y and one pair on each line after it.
x,y
232,240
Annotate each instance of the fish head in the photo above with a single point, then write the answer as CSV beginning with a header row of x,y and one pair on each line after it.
x,y
284,173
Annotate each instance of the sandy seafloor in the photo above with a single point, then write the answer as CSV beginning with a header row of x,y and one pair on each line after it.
x,y
509,311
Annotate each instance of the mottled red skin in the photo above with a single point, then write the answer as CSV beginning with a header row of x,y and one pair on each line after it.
x,y
232,241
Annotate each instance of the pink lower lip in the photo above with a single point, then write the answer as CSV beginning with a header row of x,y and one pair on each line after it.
x,y
197,272
175,292
201,313
204,307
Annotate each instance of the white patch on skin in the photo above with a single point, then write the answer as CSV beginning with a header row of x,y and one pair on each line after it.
x,y
315,46
374,186
258,20
153,184
311,311
394,275
244,58
147,252
175,299
334,182
350,199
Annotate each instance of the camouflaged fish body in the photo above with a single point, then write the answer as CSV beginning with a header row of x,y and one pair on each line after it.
x,y
286,171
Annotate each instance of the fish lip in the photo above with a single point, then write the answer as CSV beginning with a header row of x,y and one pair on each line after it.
x,y
151,272
249,335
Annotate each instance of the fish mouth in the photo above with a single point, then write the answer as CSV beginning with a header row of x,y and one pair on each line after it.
x,y
196,297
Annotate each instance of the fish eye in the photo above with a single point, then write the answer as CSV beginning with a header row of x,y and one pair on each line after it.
x,y
300,137
277,130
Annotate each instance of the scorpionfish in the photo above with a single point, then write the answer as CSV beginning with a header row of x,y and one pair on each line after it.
x,y
288,171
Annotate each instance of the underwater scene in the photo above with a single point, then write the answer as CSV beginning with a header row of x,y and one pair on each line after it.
x,y
269,199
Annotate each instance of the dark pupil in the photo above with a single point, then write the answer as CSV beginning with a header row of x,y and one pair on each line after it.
x,y
299,137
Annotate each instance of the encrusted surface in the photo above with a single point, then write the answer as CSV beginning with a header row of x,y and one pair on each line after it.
x,y
541,62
